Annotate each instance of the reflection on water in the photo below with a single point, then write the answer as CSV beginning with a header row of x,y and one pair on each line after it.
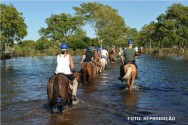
x,y
162,91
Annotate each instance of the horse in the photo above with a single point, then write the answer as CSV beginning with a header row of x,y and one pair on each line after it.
x,y
98,65
130,74
103,64
120,55
87,72
112,58
60,86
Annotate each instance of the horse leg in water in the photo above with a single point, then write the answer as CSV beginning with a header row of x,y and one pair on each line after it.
x,y
84,73
63,91
133,75
90,72
52,91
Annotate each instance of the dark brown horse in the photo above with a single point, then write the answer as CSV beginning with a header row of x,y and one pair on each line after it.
x,y
87,72
112,58
60,86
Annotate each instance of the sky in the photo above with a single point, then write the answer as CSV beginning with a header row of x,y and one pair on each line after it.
x,y
136,13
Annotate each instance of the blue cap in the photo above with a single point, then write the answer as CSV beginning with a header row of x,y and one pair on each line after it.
x,y
64,46
98,48
130,42
89,48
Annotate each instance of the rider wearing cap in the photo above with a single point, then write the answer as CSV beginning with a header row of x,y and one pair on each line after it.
x,y
64,66
129,55
104,53
97,54
88,56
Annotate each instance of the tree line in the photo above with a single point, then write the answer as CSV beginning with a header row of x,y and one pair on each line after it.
x,y
170,29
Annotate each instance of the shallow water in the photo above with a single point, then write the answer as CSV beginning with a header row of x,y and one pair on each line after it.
x,y
160,91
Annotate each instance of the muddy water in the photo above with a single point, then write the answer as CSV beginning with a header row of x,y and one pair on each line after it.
x,y
160,95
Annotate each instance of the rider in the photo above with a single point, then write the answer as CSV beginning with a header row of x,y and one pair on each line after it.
x,y
97,54
104,53
88,57
129,55
64,66
112,51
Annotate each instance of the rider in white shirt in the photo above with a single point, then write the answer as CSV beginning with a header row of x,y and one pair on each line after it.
x,y
136,49
104,54
64,66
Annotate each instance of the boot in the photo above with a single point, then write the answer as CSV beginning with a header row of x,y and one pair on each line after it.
x,y
121,73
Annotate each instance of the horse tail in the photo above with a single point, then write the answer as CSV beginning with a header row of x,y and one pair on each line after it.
x,y
85,73
53,100
128,73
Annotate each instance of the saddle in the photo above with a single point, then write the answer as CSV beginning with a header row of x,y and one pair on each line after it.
x,y
69,81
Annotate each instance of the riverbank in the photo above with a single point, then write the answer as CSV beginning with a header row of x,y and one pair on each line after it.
x,y
32,53
168,52
164,52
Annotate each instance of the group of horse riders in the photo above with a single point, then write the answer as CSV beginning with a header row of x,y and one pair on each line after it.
x,y
65,63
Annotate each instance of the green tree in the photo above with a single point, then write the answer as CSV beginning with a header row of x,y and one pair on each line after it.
x,y
105,21
78,44
43,44
12,26
62,27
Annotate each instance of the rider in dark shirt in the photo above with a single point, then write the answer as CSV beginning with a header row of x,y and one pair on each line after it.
x,y
88,56
129,55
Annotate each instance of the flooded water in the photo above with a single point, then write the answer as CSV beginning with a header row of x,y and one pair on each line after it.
x,y
160,95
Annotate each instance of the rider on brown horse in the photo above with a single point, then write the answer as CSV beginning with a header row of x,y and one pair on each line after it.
x,y
88,58
64,66
129,55
97,54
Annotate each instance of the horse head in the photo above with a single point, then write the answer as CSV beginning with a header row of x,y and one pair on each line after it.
x,y
77,76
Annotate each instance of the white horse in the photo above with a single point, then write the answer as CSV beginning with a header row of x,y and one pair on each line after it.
x,y
103,64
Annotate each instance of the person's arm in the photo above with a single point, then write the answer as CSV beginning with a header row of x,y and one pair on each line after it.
x,y
71,62
83,57
107,53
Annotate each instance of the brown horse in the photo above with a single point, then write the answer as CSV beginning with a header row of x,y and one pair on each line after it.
x,y
98,65
87,72
112,58
60,86
130,74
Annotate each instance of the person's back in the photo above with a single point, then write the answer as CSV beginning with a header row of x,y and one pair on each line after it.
x,y
65,68
97,56
129,54
88,56
104,52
